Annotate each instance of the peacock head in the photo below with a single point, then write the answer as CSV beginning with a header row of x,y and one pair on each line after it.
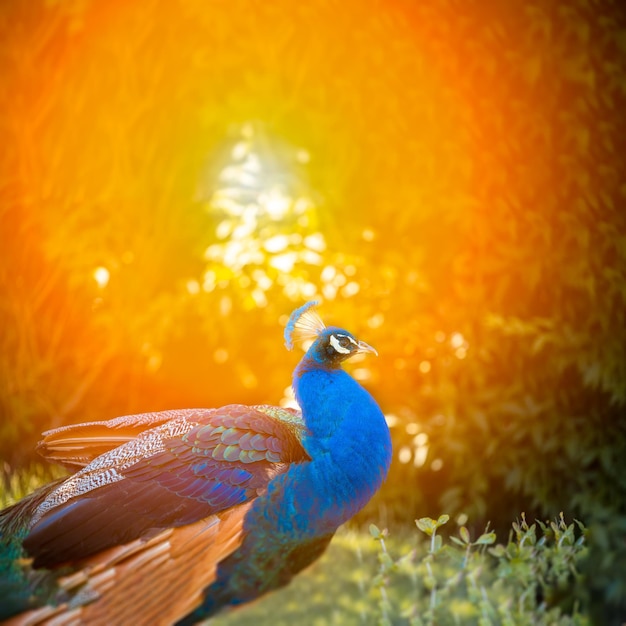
x,y
330,345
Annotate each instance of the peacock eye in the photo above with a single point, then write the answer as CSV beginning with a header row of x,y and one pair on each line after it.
x,y
341,343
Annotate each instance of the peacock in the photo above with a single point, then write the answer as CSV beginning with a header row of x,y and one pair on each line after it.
x,y
170,517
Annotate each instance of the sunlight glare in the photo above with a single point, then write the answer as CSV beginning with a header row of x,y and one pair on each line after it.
x,y
328,273
275,203
436,465
264,218
259,297
284,262
288,400
457,340
101,276
362,374
351,289
193,287
420,441
391,419
405,454
376,321
315,242
220,355
277,243
311,258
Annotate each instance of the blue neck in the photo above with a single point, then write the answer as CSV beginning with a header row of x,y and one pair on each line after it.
x,y
348,440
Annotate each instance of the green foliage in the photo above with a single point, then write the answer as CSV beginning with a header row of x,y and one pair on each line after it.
x,y
17,483
530,580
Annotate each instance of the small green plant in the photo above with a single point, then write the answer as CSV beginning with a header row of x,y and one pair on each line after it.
x,y
532,579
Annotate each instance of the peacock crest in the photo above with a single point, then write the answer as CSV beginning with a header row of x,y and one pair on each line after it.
x,y
304,325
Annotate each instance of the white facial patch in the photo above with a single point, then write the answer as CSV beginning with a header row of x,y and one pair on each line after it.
x,y
334,342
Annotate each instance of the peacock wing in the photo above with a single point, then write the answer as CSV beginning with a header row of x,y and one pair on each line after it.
x,y
77,445
184,470
128,584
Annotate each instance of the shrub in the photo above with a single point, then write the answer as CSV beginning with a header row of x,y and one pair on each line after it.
x,y
532,579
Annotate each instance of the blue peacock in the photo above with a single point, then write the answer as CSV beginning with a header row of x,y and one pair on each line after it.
x,y
170,517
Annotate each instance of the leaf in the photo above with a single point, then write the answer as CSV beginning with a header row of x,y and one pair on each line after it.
x,y
375,531
426,525
443,519
498,551
464,534
486,539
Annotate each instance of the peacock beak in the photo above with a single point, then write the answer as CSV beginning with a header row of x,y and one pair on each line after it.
x,y
365,347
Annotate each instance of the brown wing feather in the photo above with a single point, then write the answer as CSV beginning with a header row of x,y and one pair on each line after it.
x,y
151,583
76,445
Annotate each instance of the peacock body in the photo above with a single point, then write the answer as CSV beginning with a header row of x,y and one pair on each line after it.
x,y
172,516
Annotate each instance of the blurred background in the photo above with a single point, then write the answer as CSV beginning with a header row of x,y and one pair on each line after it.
x,y
447,177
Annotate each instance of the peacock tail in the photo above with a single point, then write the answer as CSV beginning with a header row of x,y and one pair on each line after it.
x,y
171,517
